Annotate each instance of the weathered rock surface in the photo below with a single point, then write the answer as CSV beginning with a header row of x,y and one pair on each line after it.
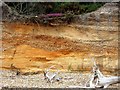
x,y
33,48
29,59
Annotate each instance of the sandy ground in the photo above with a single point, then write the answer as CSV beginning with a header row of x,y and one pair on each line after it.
x,y
9,79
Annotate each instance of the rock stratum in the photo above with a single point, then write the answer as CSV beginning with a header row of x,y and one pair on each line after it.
x,y
35,47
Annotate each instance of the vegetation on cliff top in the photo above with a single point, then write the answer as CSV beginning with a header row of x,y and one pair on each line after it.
x,y
36,8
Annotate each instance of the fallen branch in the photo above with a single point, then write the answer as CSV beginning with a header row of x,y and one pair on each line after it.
x,y
98,80
51,76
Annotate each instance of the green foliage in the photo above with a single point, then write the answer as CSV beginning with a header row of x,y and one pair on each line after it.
x,y
76,7
54,7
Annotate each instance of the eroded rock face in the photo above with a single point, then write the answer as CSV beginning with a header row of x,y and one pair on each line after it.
x,y
109,8
32,48
107,13
29,59
35,53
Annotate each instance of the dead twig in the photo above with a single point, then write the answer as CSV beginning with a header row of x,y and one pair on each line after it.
x,y
15,69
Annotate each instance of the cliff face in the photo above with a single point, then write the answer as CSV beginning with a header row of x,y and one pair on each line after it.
x,y
103,16
29,59
34,47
